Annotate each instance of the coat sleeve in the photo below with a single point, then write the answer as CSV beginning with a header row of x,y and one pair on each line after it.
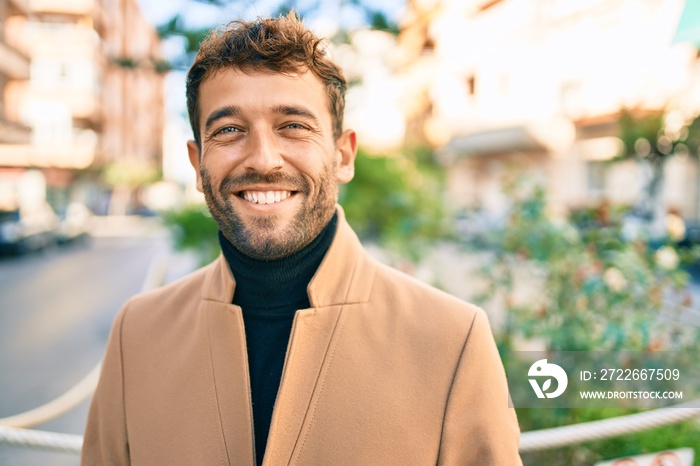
x,y
479,426
105,442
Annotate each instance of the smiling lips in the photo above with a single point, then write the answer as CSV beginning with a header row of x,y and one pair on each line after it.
x,y
265,197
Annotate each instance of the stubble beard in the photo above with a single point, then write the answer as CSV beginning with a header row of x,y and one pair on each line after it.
x,y
261,237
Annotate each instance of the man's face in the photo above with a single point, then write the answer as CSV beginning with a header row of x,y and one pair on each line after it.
x,y
269,167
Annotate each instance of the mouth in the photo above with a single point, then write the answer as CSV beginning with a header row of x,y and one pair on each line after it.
x,y
265,197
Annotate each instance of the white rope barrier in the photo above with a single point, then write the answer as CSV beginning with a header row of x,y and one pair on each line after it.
x,y
530,441
56,408
596,430
50,441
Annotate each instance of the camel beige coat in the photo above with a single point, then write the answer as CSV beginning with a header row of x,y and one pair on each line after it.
x,y
381,370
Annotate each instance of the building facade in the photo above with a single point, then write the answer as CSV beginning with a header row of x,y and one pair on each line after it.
x,y
538,86
14,67
94,97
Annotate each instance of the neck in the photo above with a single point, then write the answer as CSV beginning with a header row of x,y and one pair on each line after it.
x,y
279,283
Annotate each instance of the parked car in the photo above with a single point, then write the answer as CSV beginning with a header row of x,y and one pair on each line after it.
x,y
75,222
27,230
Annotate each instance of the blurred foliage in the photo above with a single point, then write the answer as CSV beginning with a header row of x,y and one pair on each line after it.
x,y
193,229
649,139
131,173
191,36
397,200
595,289
159,65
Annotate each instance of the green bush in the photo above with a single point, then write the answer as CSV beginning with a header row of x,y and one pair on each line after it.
x,y
396,200
193,229
595,291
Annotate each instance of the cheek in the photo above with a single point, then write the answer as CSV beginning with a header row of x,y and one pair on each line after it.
x,y
219,158
208,182
213,169
326,179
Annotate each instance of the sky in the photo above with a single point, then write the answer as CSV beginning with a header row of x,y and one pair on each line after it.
x,y
200,14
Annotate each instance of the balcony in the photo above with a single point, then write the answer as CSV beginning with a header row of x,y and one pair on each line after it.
x,y
13,64
77,153
53,39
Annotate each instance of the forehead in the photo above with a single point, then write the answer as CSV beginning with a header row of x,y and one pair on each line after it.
x,y
256,92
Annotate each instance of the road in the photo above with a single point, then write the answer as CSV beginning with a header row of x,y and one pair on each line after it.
x,y
56,309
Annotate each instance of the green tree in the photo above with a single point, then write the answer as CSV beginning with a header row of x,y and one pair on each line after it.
x,y
649,140
191,36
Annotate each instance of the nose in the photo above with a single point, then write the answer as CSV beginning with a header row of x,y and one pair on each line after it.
x,y
262,155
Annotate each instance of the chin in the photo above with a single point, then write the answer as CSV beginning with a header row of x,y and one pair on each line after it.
x,y
270,244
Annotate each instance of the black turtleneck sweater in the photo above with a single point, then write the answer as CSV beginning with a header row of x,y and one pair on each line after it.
x,y
270,293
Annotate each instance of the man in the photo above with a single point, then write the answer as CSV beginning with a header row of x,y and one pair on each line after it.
x,y
294,346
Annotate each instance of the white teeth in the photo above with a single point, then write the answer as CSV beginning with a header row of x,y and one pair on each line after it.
x,y
265,197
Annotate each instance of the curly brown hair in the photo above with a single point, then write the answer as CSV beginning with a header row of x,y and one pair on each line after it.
x,y
279,45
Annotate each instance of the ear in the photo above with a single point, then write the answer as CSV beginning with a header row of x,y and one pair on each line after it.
x,y
346,151
193,151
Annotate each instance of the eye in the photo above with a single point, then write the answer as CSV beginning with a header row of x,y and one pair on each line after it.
x,y
228,130
294,126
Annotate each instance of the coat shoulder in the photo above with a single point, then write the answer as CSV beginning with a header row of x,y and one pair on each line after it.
x,y
168,300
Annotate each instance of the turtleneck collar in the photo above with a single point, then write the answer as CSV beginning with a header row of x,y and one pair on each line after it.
x,y
277,284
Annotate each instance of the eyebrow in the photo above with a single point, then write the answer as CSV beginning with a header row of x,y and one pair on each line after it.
x,y
295,110
228,110
234,110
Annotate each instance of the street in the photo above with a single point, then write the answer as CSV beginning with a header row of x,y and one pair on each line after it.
x,y
56,309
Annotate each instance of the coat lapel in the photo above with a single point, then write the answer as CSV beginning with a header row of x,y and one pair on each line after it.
x,y
232,386
229,362
309,347
345,276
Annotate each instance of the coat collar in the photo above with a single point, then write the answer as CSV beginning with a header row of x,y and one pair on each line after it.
x,y
344,276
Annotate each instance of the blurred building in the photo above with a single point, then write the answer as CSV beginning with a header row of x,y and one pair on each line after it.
x,y
14,66
94,97
373,107
538,86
